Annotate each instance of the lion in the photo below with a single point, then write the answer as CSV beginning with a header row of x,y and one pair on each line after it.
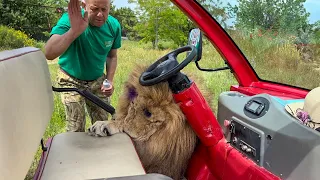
x,y
149,115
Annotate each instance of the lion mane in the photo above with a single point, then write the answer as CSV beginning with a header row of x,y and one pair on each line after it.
x,y
150,116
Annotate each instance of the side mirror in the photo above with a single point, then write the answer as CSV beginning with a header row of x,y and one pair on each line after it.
x,y
195,39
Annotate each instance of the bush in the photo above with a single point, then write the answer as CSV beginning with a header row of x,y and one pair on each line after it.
x,y
40,45
13,39
163,45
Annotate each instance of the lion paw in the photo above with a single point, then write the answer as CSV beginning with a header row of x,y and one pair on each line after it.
x,y
102,129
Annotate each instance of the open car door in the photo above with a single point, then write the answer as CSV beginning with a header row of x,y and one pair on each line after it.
x,y
249,81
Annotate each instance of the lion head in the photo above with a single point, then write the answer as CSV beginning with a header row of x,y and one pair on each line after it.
x,y
146,110
150,116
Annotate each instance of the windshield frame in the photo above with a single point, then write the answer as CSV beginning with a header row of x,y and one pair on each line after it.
x,y
230,52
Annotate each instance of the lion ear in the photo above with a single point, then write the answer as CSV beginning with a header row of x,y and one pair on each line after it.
x,y
132,93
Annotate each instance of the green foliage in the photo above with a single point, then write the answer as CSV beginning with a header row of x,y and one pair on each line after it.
x,y
304,36
31,16
127,19
283,15
217,10
161,20
167,45
40,45
314,30
11,38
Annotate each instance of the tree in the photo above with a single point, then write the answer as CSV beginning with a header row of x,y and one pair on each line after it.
x,y
161,20
283,15
175,26
127,19
217,10
31,16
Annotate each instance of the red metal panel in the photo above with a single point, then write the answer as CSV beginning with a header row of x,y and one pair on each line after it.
x,y
198,169
223,162
280,91
200,116
241,168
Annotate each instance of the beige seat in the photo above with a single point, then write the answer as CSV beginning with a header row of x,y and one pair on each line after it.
x,y
79,156
26,107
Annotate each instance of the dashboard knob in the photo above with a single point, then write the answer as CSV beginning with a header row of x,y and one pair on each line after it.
x,y
244,147
226,123
235,140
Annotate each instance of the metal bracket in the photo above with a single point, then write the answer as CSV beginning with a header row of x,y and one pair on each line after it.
x,y
42,146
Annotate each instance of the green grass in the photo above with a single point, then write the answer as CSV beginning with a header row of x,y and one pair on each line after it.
x,y
131,54
272,61
278,59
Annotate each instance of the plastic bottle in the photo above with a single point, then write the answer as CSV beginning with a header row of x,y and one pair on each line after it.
x,y
106,83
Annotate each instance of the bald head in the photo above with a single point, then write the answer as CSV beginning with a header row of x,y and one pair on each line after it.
x,y
88,1
98,11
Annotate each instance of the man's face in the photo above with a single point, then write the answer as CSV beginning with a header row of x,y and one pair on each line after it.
x,y
98,11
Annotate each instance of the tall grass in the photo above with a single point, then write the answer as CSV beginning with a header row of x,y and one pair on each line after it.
x,y
130,54
275,60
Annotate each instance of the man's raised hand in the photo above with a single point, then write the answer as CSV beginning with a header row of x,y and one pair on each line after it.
x,y
78,23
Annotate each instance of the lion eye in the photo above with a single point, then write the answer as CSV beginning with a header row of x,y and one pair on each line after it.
x,y
147,113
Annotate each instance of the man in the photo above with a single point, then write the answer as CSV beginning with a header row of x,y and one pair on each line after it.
x,y
84,41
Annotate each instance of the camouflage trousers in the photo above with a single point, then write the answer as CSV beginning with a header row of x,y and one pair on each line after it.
x,y
75,104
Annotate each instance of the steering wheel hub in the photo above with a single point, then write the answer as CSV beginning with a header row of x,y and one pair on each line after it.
x,y
167,66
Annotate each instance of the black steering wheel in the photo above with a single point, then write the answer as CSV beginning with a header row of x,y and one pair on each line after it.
x,y
167,66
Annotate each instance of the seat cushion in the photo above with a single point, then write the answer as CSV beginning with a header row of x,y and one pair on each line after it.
x,y
152,176
26,107
76,155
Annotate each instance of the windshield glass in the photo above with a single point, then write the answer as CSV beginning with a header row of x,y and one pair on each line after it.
x,y
279,38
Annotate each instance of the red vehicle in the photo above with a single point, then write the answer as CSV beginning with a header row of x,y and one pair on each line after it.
x,y
252,136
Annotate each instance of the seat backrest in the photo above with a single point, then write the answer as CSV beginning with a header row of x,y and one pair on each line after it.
x,y
26,107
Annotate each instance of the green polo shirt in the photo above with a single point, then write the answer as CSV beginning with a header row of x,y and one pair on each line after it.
x,y
86,56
